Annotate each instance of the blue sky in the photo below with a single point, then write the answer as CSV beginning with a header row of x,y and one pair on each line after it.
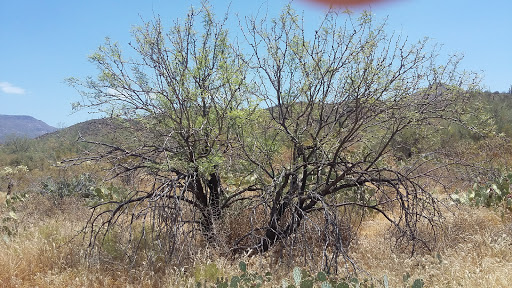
x,y
44,42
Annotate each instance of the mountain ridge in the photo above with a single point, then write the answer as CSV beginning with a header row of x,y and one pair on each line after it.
x,y
22,126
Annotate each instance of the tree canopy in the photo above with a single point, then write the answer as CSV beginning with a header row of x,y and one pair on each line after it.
x,y
282,136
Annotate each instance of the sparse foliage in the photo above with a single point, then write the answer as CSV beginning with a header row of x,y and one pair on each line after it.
x,y
491,195
294,136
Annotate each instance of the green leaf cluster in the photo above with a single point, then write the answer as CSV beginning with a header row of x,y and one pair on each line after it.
x,y
495,195
85,186
300,278
9,219
211,274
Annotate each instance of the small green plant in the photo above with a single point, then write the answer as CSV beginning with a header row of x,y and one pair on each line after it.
x,y
300,278
494,195
82,185
110,193
9,218
210,273
418,283
9,226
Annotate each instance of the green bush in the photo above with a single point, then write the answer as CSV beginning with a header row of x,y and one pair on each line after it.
x,y
9,224
82,185
495,195
300,278
85,186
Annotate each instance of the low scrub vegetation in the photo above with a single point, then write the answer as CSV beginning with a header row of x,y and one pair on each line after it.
x,y
47,250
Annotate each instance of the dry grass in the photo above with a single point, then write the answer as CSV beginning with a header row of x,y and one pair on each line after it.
x,y
475,251
46,251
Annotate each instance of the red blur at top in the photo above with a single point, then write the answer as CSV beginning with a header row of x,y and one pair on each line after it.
x,y
345,3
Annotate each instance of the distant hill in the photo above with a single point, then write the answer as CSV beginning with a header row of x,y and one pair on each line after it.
x,y
102,129
45,150
107,130
22,126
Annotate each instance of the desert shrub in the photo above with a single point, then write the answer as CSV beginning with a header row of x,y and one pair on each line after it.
x,y
496,195
297,135
8,216
60,187
210,275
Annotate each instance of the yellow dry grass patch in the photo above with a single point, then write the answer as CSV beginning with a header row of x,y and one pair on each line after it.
x,y
46,252
475,250
3,197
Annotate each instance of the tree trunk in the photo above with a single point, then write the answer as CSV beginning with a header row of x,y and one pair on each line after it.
x,y
214,186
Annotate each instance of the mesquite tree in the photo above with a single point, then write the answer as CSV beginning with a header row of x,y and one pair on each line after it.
x,y
277,143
